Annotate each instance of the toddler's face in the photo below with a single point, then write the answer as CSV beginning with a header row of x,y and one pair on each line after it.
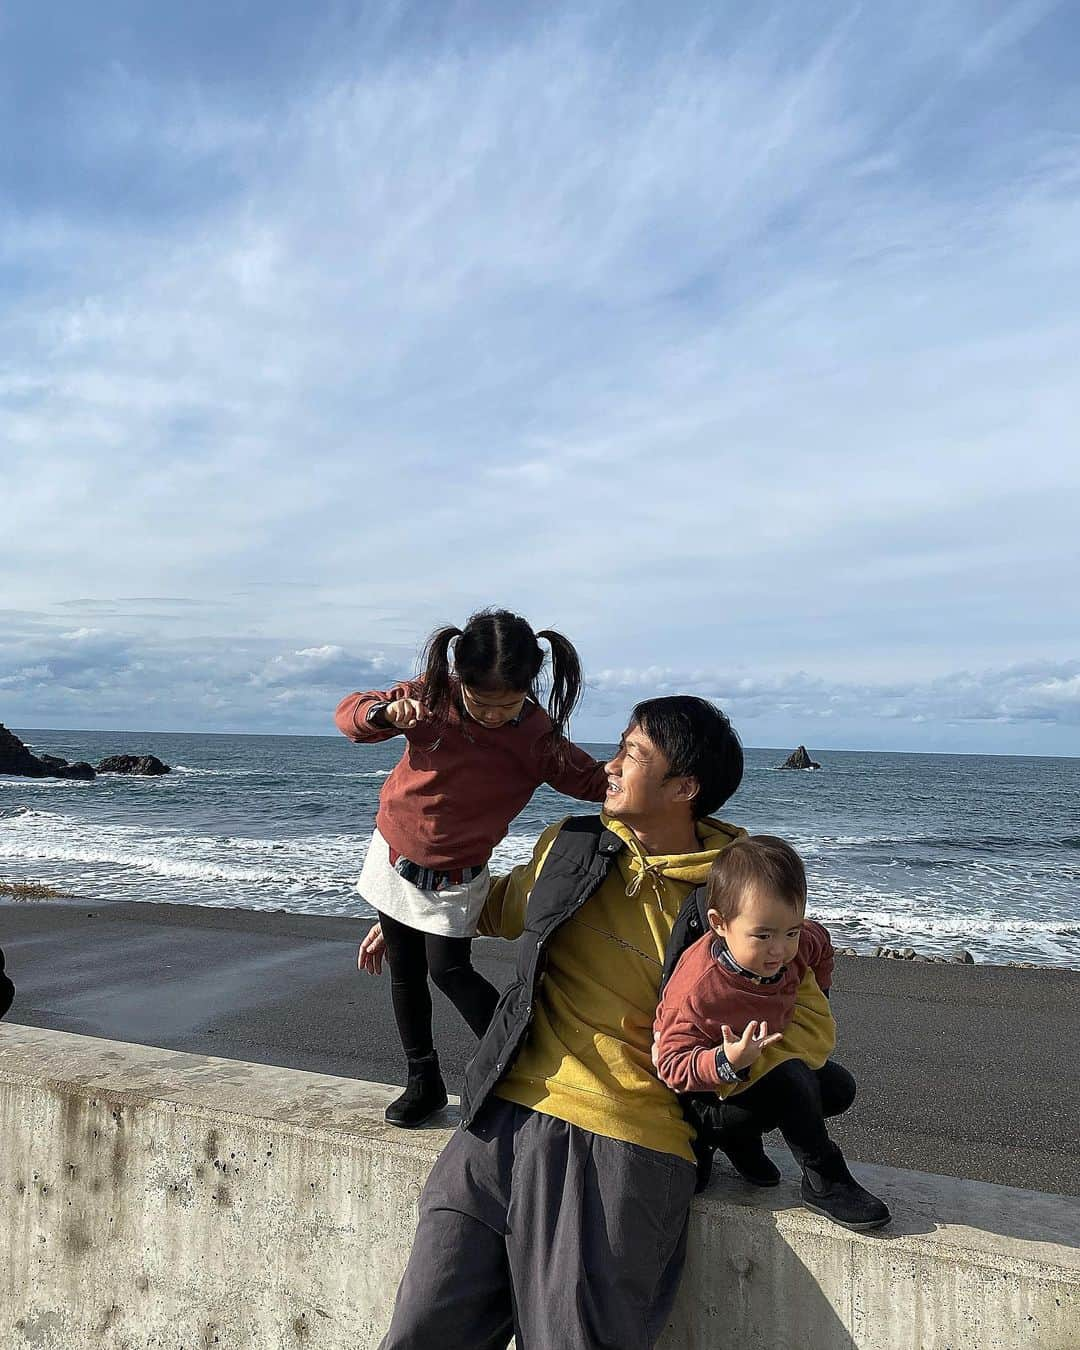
x,y
764,935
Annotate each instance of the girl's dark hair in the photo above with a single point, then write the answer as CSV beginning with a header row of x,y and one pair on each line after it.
x,y
698,741
762,861
498,650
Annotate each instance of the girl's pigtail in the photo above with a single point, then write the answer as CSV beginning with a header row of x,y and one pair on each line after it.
x,y
436,671
565,684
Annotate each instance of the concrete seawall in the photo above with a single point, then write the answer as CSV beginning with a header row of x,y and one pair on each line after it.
x,y
156,1199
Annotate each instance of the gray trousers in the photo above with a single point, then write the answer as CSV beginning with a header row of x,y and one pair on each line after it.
x,y
535,1228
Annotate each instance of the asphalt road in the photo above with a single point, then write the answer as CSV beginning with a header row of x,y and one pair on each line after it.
x,y
971,1071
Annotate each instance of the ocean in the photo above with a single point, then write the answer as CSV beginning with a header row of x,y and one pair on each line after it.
x,y
935,852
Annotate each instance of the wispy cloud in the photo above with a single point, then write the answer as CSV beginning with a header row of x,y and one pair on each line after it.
x,y
730,335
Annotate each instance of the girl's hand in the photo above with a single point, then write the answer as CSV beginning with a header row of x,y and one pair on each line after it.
x,y
372,950
406,713
743,1050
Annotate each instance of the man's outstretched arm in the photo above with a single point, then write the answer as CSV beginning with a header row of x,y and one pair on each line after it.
x,y
503,914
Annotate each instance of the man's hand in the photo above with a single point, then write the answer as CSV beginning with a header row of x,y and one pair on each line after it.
x,y
372,950
741,1051
405,713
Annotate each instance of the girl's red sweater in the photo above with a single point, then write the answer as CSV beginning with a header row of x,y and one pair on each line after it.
x,y
458,786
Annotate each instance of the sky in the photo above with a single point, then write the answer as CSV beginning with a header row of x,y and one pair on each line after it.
x,y
738,342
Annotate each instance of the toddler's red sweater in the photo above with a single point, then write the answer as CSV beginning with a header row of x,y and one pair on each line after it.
x,y
703,996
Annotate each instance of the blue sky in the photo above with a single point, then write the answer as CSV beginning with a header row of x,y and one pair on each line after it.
x,y
739,342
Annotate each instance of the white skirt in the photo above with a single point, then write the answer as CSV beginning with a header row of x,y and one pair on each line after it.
x,y
451,912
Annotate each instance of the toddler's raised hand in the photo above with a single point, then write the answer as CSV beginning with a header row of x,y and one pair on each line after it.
x,y
741,1051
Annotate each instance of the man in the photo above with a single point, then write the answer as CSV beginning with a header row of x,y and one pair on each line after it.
x,y
558,1212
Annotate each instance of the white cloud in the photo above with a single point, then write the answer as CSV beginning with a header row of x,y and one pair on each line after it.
x,y
723,337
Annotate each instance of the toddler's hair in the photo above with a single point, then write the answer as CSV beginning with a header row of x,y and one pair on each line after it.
x,y
761,860
498,651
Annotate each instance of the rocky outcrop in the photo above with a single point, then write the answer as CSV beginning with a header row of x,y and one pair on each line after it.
x,y
15,758
144,764
799,759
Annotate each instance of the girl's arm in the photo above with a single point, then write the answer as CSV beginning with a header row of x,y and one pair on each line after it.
x,y
575,773
351,717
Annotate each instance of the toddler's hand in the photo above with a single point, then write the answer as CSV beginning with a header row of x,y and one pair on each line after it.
x,y
743,1050
372,950
406,713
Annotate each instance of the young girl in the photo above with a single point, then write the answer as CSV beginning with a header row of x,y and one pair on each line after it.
x,y
478,745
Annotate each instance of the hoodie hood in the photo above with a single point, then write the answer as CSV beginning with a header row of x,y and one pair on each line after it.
x,y
691,869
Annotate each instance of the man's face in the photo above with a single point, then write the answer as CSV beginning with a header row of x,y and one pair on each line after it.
x,y
638,784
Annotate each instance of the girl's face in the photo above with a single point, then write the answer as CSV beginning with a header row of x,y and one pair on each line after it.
x,y
764,935
492,708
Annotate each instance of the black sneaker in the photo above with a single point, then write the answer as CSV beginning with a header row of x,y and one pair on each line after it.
x,y
829,1188
425,1093
752,1163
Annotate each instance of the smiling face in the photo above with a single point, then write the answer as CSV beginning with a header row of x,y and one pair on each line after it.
x,y
492,708
640,789
764,934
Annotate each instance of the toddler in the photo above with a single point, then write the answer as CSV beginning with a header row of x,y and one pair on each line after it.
x,y
763,965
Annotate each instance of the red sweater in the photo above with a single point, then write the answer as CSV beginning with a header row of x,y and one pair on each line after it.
x,y
452,796
702,996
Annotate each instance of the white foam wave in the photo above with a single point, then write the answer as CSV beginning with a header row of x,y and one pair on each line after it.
x,y
315,861
13,781
194,771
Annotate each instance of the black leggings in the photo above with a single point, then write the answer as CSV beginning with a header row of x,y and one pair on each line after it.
x,y
414,955
792,1098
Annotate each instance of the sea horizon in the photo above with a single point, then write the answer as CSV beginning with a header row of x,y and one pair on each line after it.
x,y
939,853
785,749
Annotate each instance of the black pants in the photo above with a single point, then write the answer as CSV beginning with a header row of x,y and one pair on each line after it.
x,y
791,1098
413,956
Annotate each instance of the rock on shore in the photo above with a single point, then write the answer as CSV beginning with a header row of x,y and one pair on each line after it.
x,y
799,759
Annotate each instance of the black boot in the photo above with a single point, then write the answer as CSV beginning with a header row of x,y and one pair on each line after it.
x,y
425,1093
753,1164
830,1189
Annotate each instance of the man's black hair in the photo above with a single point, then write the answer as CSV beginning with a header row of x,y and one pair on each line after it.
x,y
698,741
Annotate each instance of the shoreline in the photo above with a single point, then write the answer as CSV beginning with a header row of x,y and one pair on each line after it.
x,y
966,1070
880,952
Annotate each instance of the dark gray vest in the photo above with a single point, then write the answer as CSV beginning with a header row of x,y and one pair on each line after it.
x,y
575,868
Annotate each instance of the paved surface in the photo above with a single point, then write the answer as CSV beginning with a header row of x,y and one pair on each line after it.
x,y
968,1071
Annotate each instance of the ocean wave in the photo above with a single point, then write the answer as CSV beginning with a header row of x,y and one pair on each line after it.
x,y
324,777
316,861
19,781
1010,844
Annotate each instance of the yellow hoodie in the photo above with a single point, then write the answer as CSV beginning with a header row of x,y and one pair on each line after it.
x,y
587,1057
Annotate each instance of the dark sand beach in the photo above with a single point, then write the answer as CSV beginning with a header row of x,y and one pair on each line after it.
x,y
966,1070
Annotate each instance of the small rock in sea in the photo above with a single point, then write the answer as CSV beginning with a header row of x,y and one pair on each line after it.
x,y
141,764
908,954
964,958
799,759
55,767
846,951
919,957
